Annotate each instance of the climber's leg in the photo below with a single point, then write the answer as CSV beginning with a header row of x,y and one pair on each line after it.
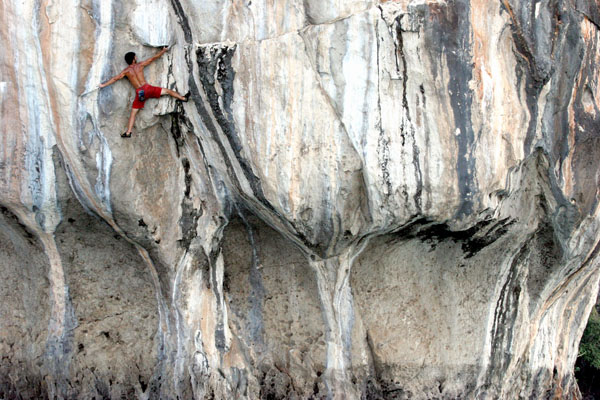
x,y
134,111
172,93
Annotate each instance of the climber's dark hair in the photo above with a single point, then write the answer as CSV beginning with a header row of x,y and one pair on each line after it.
x,y
129,57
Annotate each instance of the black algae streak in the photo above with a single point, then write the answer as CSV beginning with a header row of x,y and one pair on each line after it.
x,y
451,36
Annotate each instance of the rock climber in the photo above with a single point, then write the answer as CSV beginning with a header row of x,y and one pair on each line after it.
x,y
135,73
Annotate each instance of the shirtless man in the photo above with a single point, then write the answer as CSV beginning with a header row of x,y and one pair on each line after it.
x,y
135,73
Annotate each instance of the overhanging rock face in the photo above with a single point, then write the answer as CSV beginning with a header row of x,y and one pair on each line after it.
x,y
376,199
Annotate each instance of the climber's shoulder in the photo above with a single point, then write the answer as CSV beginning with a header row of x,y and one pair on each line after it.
x,y
123,73
130,72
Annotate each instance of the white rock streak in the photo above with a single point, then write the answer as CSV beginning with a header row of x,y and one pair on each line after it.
x,y
151,22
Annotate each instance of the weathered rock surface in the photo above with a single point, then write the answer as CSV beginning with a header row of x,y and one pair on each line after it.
x,y
363,198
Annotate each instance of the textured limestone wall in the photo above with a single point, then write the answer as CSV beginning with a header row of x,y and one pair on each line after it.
x,y
362,198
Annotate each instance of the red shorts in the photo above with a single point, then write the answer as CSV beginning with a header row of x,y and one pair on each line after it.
x,y
150,92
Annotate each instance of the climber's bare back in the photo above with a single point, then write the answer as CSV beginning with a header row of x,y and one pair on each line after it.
x,y
135,74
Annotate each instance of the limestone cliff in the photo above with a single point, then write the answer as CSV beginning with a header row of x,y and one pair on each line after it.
x,y
362,198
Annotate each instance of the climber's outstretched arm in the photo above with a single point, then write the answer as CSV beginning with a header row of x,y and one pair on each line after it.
x,y
113,79
154,57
